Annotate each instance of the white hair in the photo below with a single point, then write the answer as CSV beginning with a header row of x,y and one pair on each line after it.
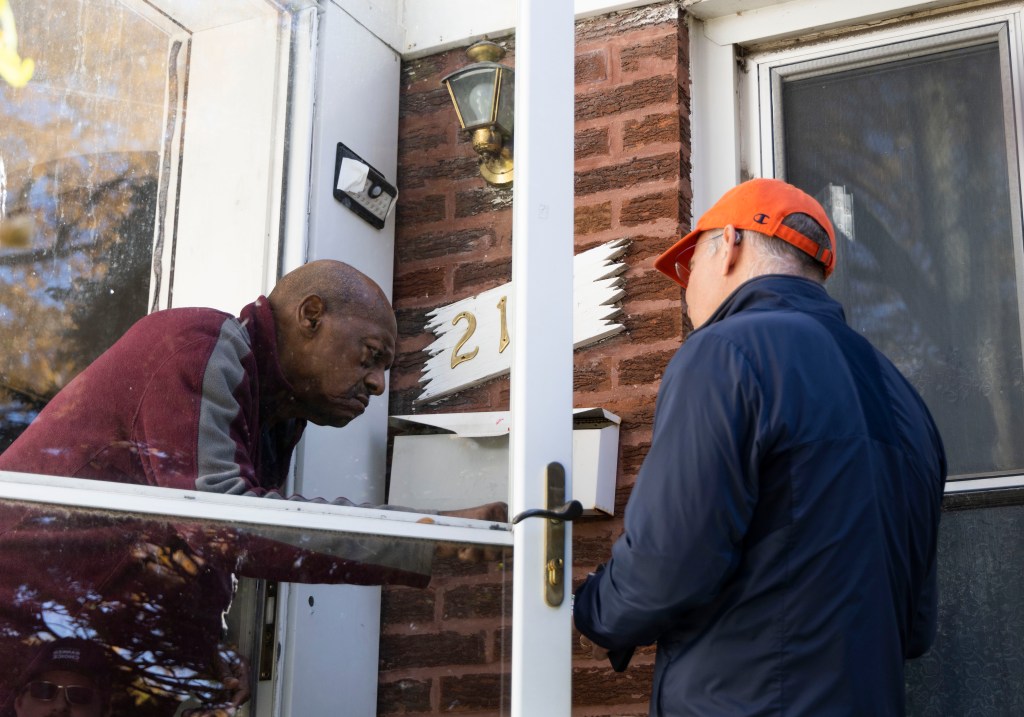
x,y
774,256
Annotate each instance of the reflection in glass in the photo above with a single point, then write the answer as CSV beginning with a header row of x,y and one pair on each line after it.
x,y
153,593
916,151
79,163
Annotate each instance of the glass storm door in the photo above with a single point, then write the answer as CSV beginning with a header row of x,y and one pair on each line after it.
x,y
131,176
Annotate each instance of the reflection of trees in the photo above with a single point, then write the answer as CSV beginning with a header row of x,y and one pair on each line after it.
x,y
151,591
81,283
929,276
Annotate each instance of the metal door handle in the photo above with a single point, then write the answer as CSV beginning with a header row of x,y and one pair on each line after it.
x,y
568,511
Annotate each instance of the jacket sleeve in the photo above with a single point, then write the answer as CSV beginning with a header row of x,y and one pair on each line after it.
x,y
924,614
691,504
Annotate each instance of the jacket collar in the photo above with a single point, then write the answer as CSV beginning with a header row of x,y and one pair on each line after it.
x,y
778,292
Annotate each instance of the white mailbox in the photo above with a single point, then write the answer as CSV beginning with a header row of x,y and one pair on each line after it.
x,y
443,461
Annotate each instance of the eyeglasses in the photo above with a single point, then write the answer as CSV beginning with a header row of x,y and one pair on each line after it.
x,y
74,694
683,270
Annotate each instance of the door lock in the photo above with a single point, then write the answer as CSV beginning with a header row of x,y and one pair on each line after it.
x,y
556,513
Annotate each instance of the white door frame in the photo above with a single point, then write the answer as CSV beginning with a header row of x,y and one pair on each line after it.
x,y
542,251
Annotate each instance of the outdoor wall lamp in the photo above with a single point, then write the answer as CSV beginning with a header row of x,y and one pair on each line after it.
x,y
483,95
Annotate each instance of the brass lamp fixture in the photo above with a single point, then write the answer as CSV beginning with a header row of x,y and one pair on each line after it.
x,y
483,95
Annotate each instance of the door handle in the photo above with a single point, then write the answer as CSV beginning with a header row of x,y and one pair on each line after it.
x,y
556,513
567,511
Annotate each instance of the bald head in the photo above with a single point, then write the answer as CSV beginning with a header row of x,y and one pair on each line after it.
x,y
336,335
343,289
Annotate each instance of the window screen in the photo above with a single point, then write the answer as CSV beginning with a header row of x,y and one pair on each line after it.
x,y
913,155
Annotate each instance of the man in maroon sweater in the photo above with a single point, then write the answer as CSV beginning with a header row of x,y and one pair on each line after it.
x,y
197,399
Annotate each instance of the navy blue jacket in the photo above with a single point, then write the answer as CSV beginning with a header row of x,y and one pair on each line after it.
x,y
779,542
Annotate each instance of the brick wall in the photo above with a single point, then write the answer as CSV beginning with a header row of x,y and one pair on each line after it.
x,y
444,649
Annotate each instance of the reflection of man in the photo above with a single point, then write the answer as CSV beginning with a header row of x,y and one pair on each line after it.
x,y
69,677
779,542
194,398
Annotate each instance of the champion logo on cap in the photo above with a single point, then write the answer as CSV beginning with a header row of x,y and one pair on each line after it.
x,y
761,218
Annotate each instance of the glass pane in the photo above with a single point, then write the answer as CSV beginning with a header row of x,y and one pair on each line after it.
x,y
143,600
474,89
973,668
911,156
79,161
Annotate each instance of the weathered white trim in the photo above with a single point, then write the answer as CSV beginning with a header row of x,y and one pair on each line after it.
x,y
760,22
167,502
415,28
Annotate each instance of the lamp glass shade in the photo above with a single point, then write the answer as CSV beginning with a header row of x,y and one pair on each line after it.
x,y
506,102
477,91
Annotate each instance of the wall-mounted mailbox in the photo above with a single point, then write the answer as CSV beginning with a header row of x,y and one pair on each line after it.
x,y
456,460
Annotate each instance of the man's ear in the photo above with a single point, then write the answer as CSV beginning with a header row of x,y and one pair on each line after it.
x,y
733,249
310,314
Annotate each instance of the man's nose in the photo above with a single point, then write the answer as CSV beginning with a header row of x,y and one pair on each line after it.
x,y
375,382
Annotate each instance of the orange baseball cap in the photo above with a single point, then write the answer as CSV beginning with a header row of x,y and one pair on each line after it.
x,y
760,205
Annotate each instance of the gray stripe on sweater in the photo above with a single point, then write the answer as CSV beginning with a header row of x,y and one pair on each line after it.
x,y
218,471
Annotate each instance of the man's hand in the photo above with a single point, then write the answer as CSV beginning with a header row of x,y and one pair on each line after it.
x,y
497,512
596,652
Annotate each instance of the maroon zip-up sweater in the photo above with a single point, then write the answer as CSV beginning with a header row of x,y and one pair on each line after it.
x,y
180,401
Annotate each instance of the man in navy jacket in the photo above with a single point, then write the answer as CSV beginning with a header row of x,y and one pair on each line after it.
x,y
780,540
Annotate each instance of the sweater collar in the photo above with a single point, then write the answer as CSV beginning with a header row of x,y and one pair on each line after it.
x,y
258,320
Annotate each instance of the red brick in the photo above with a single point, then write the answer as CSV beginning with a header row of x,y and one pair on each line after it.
x,y
453,567
603,686
591,551
649,208
644,246
657,326
414,140
406,605
468,601
591,376
652,286
421,283
637,95
591,142
411,322
644,369
403,696
484,199
591,67
593,218
631,457
627,174
449,169
658,128
431,650
415,104
433,245
480,275
475,692
631,57
431,208
408,362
